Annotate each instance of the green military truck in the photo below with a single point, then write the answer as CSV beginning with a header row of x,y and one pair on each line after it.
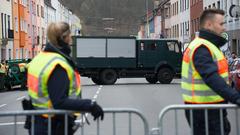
x,y
105,59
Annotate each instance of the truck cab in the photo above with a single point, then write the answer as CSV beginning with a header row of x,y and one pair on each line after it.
x,y
163,56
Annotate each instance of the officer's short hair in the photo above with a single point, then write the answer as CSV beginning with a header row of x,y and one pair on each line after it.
x,y
209,14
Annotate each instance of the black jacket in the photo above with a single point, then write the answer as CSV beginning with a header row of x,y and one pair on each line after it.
x,y
58,84
208,69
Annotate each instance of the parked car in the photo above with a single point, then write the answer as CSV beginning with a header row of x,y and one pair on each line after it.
x,y
234,74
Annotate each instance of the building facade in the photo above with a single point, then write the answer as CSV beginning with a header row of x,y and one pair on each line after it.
x,y
6,30
196,8
232,25
20,15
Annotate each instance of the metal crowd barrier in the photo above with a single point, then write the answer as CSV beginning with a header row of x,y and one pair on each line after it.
x,y
113,111
205,107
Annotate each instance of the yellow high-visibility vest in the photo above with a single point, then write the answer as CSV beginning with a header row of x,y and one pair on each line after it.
x,y
39,71
194,89
22,67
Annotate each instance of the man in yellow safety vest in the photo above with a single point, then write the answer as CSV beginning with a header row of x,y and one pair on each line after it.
x,y
205,75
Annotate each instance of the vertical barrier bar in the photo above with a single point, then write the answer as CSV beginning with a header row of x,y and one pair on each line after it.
x,y
221,121
237,123
176,122
98,128
15,124
82,122
206,121
191,121
114,124
65,124
49,125
82,130
130,123
32,124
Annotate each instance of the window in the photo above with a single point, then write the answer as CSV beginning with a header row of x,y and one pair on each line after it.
x,y
9,54
176,48
218,5
16,53
5,24
42,12
9,19
213,5
177,7
26,53
16,24
180,5
21,24
185,4
29,31
37,10
171,46
2,24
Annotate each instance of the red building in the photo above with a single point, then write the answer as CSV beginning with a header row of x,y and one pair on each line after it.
x,y
196,8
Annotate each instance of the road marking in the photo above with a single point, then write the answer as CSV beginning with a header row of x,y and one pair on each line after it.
x,y
3,105
20,98
11,123
97,93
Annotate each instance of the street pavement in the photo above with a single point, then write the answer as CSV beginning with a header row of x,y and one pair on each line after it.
x,y
135,93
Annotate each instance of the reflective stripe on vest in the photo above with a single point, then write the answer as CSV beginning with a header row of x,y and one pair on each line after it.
x,y
39,71
194,89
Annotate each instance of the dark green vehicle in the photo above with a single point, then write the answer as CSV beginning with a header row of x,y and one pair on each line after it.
x,y
105,59
16,74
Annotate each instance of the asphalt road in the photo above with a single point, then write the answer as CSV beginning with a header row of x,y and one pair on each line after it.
x,y
136,93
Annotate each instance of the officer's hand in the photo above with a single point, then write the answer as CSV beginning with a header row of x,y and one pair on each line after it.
x,y
97,111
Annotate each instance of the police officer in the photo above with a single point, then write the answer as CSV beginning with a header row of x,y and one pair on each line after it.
x,y
54,82
205,74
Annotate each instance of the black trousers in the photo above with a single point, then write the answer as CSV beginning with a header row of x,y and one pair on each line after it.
x,y
57,126
214,124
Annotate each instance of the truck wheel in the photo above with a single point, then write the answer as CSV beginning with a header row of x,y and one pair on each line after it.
x,y
96,80
165,75
152,80
108,76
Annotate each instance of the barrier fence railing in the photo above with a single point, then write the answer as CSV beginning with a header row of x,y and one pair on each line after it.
x,y
192,107
113,111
